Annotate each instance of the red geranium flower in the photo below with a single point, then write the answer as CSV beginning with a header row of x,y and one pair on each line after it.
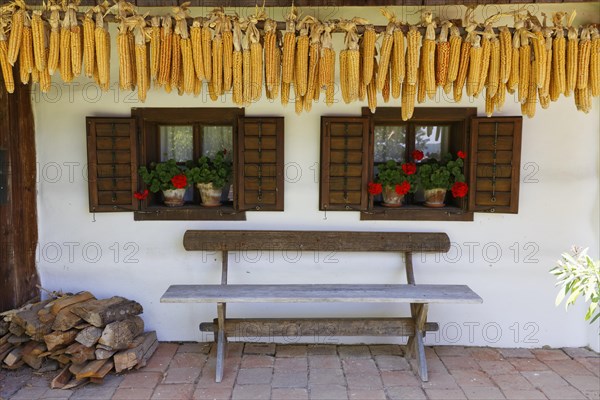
x,y
460,189
409,168
417,155
179,181
141,195
374,188
461,154
403,188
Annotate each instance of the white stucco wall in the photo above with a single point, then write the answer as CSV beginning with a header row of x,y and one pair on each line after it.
x,y
504,258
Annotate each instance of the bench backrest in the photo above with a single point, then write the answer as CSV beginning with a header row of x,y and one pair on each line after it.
x,y
209,240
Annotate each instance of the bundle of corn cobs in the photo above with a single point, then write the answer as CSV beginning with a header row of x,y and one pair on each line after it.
x,y
533,61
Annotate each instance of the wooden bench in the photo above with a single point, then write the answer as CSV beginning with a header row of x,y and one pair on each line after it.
x,y
419,296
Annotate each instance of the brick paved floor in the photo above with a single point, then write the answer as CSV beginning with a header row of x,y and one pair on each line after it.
x,y
330,372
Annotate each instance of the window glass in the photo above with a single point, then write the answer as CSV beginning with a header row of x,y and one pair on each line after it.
x,y
390,143
176,142
432,140
215,138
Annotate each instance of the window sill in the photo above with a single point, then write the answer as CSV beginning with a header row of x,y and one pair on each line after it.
x,y
189,212
416,213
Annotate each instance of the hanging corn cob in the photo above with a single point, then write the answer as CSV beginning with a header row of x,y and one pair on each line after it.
x,y
125,66
185,45
75,40
137,26
463,67
583,61
408,101
362,88
486,52
301,62
528,106
493,76
428,55
289,47
513,78
154,48
274,92
474,66
539,54
313,63
385,52
206,49
166,48
454,59
298,101
413,39
256,58
54,45
196,36
327,65
505,53
45,79
217,52
559,79
246,70
271,50
343,76
39,40
368,53
350,61
7,71
594,78
572,56
227,38
525,67
386,91
89,44
66,67
442,55
544,91
583,100
372,87
421,82
398,65
176,79
102,45
16,31
238,78
26,63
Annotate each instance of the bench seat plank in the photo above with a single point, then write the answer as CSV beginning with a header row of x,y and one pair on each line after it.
x,y
326,293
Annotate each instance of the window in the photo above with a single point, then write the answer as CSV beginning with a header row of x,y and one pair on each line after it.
x,y
352,148
160,134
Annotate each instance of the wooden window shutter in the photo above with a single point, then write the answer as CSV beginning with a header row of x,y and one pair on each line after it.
x,y
112,164
344,163
495,163
260,163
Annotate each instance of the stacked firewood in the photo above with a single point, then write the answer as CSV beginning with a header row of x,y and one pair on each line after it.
x,y
536,61
84,337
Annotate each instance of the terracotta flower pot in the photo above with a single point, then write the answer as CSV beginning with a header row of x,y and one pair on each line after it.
x,y
209,195
435,197
390,197
174,197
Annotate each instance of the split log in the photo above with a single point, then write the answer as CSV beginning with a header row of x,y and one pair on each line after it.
x,y
58,338
89,336
76,368
66,301
4,339
14,366
102,372
4,350
31,323
128,359
79,353
45,316
142,363
14,356
118,335
16,329
19,339
31,352
90,369
103,354
65,319
61,379
102,312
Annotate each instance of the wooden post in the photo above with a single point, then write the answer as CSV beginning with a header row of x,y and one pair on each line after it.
x,y
221,316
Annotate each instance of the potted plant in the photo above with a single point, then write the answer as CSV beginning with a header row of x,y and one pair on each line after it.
x,y
393,182
437,177
210,176
169,177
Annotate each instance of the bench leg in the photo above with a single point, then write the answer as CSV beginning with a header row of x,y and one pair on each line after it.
x,y
415,343
221,342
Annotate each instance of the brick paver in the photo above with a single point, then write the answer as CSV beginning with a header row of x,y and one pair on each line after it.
x,y
181,371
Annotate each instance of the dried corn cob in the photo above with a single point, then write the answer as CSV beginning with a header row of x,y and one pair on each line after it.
x,y
227,37
212,92
442,56
454,58
196,35
413,38
102,45
463,68
500,96
572,59
301,62
270,49
256,59
344,75
125,74
486,52
524,68
475,65
559,61
154,48
583,61
138,24
583,100
217,59
327,64
7,72
26,62
132,57
238,77
398,63
54,54
493,77
176,78
372,87
529,105
385,54
39,40
75,42
187,71
298,102
89,44
545,89
166,49
594,78
368,53
421,82
66,71
428,61
16,35
45,79
513,78
274,92
385,91
505,53
313,62
289,47
206,50
490,104
352,60
539,53
408,101
362,88
247,71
